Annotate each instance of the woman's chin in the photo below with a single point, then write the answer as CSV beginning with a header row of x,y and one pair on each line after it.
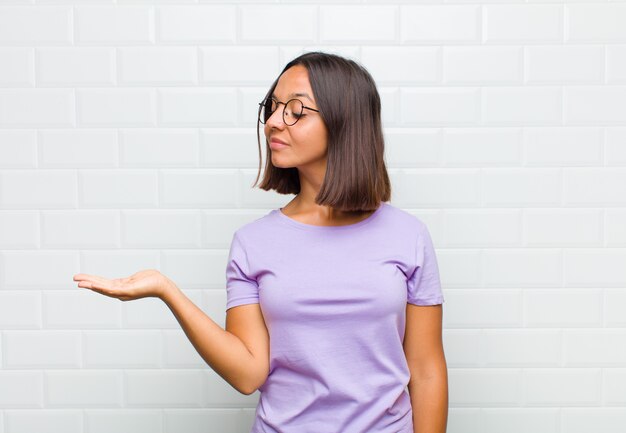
x,y
279,162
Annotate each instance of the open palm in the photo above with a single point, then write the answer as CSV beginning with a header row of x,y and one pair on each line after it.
x,y
147,283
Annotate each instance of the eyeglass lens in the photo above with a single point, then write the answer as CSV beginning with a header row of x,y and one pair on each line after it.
x,y
291,113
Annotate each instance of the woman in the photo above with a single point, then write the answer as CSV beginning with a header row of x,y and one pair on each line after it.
x,y
334,302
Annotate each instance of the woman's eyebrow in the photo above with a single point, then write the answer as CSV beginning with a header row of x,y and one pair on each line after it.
x,y
297,94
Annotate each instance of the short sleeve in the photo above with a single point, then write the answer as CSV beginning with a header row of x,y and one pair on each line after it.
x,y
240,287
424,285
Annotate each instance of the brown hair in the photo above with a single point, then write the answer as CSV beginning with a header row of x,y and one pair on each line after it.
x,y
356,177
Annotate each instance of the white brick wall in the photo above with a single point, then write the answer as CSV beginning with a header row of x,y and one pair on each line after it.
x,y
127,141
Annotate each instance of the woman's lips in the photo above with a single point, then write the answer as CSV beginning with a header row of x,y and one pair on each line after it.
x,y
277,144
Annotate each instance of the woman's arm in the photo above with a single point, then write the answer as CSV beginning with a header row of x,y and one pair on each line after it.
x,y
239,357
229,354
428,386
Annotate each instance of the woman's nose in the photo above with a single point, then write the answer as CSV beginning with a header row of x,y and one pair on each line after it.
x,y
276,119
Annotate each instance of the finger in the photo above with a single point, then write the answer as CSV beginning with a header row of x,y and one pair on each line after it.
x,y
94,287
81,277
116,288
90,284
94,279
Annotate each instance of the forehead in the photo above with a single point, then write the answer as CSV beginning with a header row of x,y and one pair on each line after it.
x,y
292,83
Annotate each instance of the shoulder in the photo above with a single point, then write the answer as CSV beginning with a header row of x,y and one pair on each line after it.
x,y
257,229
404,220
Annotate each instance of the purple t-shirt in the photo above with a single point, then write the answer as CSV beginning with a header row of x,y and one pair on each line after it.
x,y
334,303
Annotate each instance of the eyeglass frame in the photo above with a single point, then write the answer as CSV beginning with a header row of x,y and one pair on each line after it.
x,y
283,113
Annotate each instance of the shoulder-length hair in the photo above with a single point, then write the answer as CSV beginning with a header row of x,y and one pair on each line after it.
x,y
356,177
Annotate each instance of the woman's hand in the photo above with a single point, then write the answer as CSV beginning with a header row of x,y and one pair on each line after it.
x,y
148,283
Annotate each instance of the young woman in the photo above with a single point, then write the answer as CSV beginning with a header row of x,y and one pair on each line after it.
x,y
334,302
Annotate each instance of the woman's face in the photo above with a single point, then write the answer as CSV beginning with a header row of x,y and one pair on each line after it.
x,y
307,139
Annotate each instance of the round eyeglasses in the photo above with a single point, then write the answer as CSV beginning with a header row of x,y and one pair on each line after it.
x,y
292,110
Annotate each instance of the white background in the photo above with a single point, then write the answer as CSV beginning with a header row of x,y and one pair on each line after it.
x,y
128,141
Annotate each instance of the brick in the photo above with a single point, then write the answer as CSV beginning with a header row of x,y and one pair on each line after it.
x,y
224,420
212,106
562,64
471,147
20,310
437,188
363,19
522,23
413,147
150,229
178,352
521,347
37,108
614,307
233,145
594,267
109,24
486,228
159,147
19,229
196,23
485,387
597,105
521,267
516,186
21,25
616,64
520,420
160,388
440,23
272,23
233,65
562,387
562,308
112,420
594,347
524,106
104,188
402,65
80,309
44,420
22,70
615,150
199,188
478,308
562,146
80,229
83,388
78,148
485,65
600,420
562,227
122,349
157,65
42,349
598,22
76,66
18,148
116,107
439,106
21,389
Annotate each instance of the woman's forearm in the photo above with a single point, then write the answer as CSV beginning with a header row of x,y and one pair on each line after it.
x,y
223,351
429,401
